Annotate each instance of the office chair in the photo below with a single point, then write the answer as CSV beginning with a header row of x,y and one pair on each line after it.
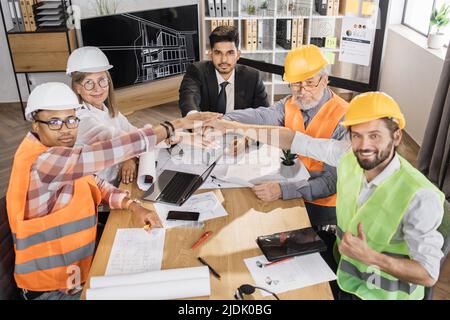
x,y
444,229
8,287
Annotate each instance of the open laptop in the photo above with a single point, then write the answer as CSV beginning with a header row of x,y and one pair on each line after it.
x,y
175,187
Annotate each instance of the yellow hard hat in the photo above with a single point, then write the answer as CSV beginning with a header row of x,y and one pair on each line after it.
x,y
303,63
370,106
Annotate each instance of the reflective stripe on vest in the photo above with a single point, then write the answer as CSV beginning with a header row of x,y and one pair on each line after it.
x,y
322,125
55,232
380,216
385,284
56,261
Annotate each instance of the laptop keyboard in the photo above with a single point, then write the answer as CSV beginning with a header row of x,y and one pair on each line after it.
x,y
177,185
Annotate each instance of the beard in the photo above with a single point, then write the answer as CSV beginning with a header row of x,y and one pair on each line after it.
x,y
312,103
380,157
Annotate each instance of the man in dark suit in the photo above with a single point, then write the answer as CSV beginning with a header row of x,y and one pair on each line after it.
x,y
220,85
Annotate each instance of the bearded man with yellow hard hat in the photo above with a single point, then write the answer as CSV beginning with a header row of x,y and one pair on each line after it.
x,y
314,109
388,213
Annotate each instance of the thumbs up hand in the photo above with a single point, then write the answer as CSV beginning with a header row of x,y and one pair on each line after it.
x,y
356,247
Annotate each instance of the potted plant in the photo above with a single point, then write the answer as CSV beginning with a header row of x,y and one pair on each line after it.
x,y
251,9
439,19
263,7
288,168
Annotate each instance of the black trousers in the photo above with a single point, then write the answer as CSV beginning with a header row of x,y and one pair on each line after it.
x,y
329,239
320,215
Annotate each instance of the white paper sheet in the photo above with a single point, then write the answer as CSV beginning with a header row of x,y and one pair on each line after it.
x,y
136,250
300,272
164,284
206,203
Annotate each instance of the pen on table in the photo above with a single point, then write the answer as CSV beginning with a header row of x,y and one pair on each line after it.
x,y
278,261
214,272
202,238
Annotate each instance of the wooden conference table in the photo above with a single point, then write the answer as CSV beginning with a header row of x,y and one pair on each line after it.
x,y
232,241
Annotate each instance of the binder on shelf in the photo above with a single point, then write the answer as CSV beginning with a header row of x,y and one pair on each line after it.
x,y
218,8
230,22
336,7
254,34
330,7
25,16
225,22
225,8
8,15
294,33
284,33
321,7
19,15
213,24
260,34
300,24
247,35
211,8
219,23
12,11
31,18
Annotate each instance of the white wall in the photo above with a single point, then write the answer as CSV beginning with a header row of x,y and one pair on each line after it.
x,y
8,91
410,74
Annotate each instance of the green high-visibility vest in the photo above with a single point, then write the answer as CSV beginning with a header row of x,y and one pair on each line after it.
x,y
380,216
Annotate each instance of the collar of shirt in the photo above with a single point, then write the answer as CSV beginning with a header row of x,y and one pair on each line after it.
x,y
92,108
220,79
390,169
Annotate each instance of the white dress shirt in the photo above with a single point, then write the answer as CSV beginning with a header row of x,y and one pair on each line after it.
x,y
97,125
422,218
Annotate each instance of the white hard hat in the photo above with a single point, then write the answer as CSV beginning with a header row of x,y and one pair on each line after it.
x,y
87,59
51,96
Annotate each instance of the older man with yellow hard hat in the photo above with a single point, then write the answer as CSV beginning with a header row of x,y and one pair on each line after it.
x,y
314,109
388,213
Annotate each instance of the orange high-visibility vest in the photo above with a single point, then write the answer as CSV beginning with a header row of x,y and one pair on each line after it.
x,y
321,126
50,249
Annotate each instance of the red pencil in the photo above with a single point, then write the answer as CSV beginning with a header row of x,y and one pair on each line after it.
x,y
278,261
202,238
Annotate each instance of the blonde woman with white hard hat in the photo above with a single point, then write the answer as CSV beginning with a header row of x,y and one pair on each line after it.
x,y
100,119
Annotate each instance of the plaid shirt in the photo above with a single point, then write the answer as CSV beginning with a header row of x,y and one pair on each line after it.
x,y
53,173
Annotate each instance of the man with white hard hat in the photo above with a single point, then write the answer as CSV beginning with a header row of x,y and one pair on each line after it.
x,y
52,196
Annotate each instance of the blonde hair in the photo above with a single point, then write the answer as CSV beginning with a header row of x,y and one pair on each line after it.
x,y
110,102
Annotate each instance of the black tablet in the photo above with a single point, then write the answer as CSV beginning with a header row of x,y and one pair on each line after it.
x,y
290,243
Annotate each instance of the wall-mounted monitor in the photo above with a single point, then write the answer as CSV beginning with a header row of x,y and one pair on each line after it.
x,y
146,45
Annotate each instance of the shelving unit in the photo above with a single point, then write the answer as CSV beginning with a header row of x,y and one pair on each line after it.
x,y
315,26
44,50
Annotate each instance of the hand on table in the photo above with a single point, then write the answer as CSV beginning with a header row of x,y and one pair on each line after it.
x,y
142,216
269,191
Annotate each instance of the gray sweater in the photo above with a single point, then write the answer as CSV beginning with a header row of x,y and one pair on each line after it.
x,y
321,184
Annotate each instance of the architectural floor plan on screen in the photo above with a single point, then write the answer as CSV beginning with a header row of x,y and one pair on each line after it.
x,y
146,45
165,55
